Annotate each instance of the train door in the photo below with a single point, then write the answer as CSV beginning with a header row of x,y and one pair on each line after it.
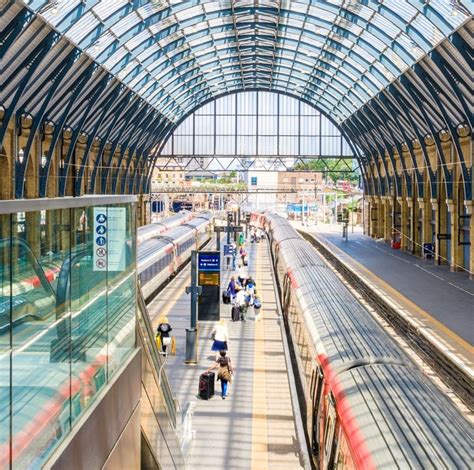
x,y
286,295
317,392
329,437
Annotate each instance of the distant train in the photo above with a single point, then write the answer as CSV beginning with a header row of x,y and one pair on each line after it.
x,y
365,404
152,230
160,257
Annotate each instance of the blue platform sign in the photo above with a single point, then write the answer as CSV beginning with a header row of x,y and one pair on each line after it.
x,y
228,250
209,261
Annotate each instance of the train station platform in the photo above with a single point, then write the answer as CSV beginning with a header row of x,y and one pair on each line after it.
x,y
436,298
255,427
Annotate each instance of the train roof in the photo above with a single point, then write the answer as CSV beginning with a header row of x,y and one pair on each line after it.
x,y
394,415
343,331
177,232
208,215
283,232
197,222
150,247
146,232
404,420
298,253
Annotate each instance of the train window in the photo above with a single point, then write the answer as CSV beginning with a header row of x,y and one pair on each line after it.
x,y
330,435
317,394
311,390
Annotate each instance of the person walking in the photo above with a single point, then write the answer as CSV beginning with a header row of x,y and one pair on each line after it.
x,y
225,372
250,287
241,238
257,306
233,288
252,235
234,256
220,335
163,333
241,302
243,254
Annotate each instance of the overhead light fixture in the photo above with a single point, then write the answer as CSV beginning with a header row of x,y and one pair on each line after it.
x,y
21,156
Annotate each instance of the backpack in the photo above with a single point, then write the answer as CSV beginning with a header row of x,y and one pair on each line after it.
x,y
224,370
257,303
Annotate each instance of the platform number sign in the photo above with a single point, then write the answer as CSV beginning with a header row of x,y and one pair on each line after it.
x,y
109,238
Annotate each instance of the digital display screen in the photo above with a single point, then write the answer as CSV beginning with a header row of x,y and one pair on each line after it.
x,y
209,279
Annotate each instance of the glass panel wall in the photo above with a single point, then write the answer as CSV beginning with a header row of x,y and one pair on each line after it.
x,y
257,123
6,313
67,321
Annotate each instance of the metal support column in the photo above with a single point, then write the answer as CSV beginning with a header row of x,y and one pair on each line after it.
x,y
192,331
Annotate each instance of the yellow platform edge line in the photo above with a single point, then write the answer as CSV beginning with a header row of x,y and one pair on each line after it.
x,y
259,455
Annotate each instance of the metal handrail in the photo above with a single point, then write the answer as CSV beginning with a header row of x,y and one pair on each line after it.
x,y
38,269
148,335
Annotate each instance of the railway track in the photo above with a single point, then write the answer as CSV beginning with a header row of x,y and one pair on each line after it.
x,y
451,373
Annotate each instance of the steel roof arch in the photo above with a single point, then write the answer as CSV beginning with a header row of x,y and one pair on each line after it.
x,y
132,18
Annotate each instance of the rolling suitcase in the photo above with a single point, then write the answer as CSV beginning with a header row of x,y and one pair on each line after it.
x,y
225,298
246,263
235,313
206,385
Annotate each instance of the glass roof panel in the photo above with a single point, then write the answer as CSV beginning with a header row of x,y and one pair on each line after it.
x,y
82,28
343,51
105,8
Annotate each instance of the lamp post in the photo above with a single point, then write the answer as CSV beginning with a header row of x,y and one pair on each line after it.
x,y
301,180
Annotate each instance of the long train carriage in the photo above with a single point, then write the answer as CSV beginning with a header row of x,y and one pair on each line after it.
x,y
365,403
157,228
160,257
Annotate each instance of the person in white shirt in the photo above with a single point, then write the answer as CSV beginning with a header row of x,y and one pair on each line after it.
x,y
220,335
241,302
252,235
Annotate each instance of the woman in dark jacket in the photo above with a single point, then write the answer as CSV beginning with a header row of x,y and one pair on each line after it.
x,y
233,288
163,331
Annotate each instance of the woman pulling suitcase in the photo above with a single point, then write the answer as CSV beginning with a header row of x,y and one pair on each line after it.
x,y
225,372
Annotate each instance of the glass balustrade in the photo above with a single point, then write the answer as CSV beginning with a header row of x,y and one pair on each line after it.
x,y
67,320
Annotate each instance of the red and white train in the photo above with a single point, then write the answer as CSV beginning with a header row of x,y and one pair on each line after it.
x,y
160,257
365,404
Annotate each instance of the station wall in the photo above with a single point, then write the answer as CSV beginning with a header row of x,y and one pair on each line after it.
x,y
430,208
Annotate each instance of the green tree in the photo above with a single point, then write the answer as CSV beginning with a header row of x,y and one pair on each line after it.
x,y
338,171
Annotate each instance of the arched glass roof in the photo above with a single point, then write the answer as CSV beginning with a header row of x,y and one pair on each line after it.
x,y
335,54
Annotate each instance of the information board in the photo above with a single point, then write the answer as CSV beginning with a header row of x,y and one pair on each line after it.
x,y
110,225
208,265
209,261
228,250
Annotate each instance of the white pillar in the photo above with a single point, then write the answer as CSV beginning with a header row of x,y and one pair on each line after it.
x,y
324,207
302,210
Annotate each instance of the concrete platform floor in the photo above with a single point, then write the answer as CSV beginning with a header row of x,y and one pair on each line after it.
x,y
442,299
255,427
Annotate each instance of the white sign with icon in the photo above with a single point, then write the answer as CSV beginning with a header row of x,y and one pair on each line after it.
x,y
109,238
